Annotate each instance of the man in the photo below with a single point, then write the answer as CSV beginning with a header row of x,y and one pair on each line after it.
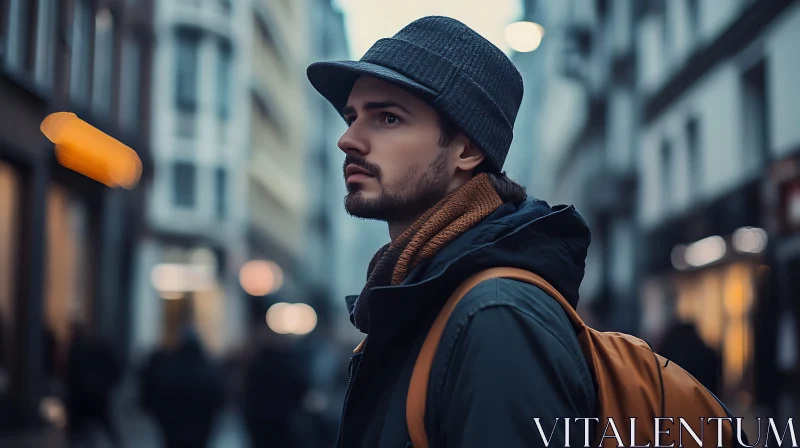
x,y
184,390
275,383
93,372
430,114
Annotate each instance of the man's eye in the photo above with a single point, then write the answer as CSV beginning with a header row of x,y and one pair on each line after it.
x,y
390,118
349,120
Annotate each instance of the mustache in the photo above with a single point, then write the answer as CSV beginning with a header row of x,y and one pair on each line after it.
x,y
361,162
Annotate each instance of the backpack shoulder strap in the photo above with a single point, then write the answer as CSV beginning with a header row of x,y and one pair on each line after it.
x,y
418,389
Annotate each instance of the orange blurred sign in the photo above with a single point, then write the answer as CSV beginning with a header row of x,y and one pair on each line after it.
x,y
87,150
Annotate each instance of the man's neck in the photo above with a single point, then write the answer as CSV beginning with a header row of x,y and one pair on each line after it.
x,y
397,228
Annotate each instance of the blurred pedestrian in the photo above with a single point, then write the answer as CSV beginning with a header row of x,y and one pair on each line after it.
x,y
93,370
324,369
184,391
683,345
274,387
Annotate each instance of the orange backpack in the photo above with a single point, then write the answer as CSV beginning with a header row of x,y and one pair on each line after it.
x,y
631,381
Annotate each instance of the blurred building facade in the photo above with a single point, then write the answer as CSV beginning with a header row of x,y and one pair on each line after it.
x,y
346,244
586,151
329,257
666,124
188,259
279,176
522,156
66,241
712,78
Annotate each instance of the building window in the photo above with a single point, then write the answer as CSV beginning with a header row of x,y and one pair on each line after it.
x,y
187,123
693,10
693,146
666,34
186,57
131,82
184,179
601,10
68,299
17,38
221,184
754,128
666,173
222,131
10,190
103,62
266,37
224,80
81,49
45,43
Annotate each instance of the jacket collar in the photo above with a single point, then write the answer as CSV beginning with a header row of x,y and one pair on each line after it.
x,y
396,307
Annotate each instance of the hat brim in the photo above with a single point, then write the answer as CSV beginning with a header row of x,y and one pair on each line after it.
x,y
335,79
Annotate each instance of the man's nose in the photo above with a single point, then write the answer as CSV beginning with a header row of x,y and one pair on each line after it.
x,y
351,142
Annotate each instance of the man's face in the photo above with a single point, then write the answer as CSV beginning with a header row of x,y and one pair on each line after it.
x,y
394,168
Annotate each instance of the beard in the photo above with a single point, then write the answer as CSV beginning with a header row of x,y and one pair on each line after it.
x,y
415,195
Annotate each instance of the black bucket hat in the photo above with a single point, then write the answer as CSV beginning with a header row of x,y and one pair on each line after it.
x,y
451,67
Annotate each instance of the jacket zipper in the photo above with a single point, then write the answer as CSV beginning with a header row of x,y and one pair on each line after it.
x,y
346,397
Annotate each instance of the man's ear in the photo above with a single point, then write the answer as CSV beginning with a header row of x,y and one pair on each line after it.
x,y
468,155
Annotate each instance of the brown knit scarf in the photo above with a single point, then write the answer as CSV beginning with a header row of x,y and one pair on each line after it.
x,y
456,213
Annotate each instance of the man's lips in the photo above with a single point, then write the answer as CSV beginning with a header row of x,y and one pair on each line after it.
x,y
357,171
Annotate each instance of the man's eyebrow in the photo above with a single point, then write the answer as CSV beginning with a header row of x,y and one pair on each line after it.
x,y
372,105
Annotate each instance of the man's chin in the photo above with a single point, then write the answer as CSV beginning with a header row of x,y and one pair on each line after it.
x,y
358,206
390,208
378,208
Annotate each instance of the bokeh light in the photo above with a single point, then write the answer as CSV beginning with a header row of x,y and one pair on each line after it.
x,y
260,277
291,318
172,279
524,37
87,150
705,251
750,240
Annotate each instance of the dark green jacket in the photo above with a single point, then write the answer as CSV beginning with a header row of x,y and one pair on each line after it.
x,y
508,354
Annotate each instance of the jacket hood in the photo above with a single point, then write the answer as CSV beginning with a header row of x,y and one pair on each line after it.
x,y
549,241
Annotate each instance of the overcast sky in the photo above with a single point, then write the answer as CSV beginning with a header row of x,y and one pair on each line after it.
x,y
370,20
